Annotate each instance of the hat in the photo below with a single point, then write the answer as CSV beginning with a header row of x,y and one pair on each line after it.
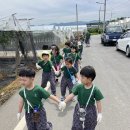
x,y
45,52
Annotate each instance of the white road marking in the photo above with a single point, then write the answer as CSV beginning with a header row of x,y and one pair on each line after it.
x,y
21,125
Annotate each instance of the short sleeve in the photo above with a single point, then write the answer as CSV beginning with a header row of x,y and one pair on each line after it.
x,y
40,63
44,94
78,57
21,93
64,50
50,63
97,94
61,57
75,71
75,90
63,68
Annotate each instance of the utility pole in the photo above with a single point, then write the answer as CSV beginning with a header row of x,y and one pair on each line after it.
x,y
17,55
104,23
32,41
99,19
104,19
77,19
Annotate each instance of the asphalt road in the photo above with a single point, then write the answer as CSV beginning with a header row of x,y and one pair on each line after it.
x,y
113,78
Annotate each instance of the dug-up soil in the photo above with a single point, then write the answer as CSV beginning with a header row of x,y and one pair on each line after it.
x,y
8,91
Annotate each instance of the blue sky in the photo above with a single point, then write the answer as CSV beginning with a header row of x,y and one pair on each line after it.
x,y
56,11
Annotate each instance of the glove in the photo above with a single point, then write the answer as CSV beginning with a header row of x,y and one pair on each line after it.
x,y
62,105
18,116
99,117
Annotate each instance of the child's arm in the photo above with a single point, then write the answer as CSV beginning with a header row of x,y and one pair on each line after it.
x,y
20,108
99,106
53,68
69,98
20,104
62,105
99,109
54,98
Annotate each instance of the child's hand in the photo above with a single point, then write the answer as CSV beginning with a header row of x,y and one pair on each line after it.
x,y
99,117
62,106
18,116
57,72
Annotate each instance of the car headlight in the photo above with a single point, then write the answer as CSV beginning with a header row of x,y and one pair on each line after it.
x,y
107,37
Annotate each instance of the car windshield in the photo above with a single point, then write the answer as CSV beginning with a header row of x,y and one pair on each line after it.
x,y
114,29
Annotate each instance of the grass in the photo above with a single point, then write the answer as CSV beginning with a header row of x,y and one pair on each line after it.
x,y
8,91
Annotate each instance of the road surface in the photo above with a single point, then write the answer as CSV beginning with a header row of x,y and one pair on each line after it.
x,y
113,78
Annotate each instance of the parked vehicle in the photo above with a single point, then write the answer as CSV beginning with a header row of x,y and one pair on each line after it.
x,y
111,35
123,43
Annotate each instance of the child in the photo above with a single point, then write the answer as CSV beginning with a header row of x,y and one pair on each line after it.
x,y
31,98
66,50
75,56
85,115
56,59
48,73
53,46
68,78
80,47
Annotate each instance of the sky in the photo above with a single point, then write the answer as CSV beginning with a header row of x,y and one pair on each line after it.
x,y
57,11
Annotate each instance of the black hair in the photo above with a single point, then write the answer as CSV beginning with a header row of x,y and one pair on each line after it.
x,y
67,44
43,54
27,72
57,49
74,47
89,72
69,59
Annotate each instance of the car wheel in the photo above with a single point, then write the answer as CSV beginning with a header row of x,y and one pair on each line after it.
x,y
104,44
102,41
128,52
117,47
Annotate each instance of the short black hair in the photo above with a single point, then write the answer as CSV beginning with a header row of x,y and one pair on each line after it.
x,y
57,49
89,72
27,72
74,47
69,59
43,54
67,44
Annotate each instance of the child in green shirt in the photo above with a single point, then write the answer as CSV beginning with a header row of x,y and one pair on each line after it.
x,y
56,60
69,77
75,56
86,114
66,50
48,72
31,96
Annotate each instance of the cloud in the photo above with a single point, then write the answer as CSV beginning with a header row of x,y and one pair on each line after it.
x,y
51,11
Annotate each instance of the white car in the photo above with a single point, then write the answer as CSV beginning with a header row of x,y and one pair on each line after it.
x,y
123,43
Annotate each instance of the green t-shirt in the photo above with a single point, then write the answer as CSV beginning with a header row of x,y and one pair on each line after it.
x,y
75,57
66,71
56,59
83,94
46,66
34,96
66,51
